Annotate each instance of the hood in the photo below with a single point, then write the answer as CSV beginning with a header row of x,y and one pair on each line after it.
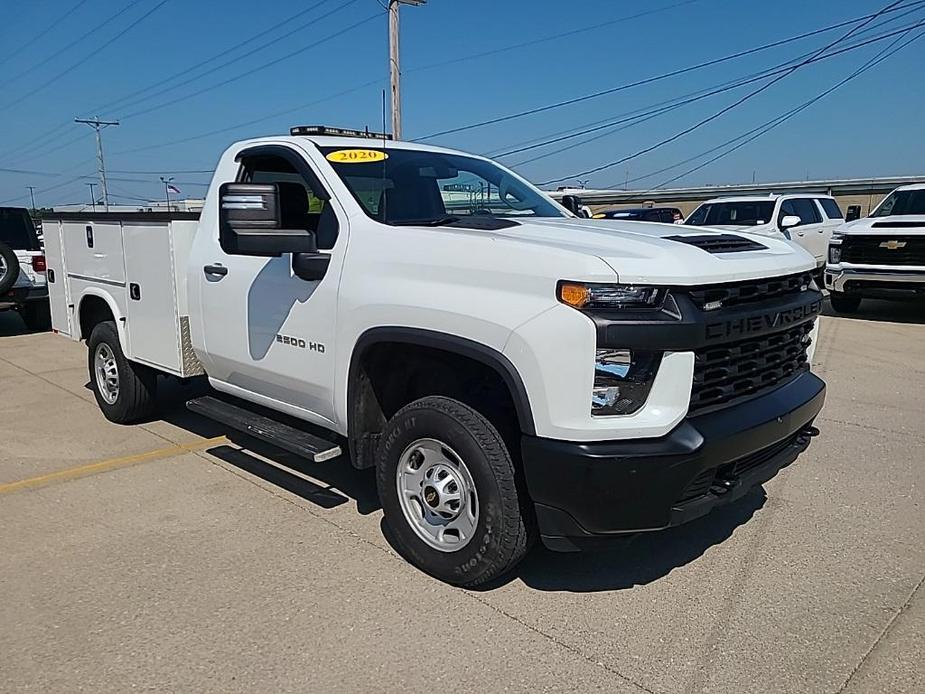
x,y
641,252
900,224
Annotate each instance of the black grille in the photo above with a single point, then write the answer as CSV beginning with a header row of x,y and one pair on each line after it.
x,y
727,372
719,243
883,250
750,291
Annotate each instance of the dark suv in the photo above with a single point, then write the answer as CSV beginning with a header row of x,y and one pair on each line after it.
x,y
23,286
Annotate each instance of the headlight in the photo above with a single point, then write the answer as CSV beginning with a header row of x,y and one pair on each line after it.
x,y
620,296
835,248
622,380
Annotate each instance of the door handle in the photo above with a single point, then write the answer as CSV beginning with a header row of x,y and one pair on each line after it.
x,y
216,269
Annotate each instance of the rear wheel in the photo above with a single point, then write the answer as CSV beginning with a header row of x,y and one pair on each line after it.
x,y
125,392
449,493
36,315
845,303
9,268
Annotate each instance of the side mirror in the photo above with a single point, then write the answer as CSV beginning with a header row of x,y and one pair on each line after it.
x,y
790,220
854,212
573,204
249,222
310,267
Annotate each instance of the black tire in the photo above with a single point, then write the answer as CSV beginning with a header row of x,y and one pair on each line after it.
x,y
845,303
36,315
137,385
11,268
503,531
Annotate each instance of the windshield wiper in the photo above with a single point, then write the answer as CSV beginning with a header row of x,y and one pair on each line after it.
x,y
434,222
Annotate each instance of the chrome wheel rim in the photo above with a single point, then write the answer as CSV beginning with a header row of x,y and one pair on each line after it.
x,y
3,268
437,495
107,373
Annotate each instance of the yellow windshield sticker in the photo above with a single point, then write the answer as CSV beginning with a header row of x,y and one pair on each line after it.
x,y
356,156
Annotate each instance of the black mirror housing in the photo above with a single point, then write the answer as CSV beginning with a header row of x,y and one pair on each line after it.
x,y
853,212
573,204
310,267
249,222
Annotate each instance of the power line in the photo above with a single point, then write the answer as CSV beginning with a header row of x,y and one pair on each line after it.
x,y
55,133
44,31
148,95
767,126
259,68
663,76
87,57
80,39
246,124
638,116
550,37
725,109
203,63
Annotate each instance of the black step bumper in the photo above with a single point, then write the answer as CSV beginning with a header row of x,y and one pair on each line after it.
x,y
587,491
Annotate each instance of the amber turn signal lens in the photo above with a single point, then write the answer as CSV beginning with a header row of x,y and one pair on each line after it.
x,y
575,295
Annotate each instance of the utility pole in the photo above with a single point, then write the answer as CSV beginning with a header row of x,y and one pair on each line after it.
x,y
166,181
394,65
32,195
98,125
92,196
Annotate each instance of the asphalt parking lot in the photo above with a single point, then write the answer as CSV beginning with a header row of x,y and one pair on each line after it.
x,y
169,557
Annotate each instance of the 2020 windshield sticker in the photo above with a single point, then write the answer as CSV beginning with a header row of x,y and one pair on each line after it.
x,y
356,156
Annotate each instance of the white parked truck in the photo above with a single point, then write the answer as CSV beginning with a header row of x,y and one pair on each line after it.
x,y
509,369
881,256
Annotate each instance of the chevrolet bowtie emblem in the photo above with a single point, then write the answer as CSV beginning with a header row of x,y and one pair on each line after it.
x,y
893,244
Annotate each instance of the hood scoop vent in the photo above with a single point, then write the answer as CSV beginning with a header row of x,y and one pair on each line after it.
x,y
719,243
898,225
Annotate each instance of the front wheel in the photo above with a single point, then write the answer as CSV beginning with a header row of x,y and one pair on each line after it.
x,y
845,303
449,492
125,392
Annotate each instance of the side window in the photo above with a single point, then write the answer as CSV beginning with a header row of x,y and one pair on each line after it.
x,y
301,206
699,216
652,216
804,208
832,210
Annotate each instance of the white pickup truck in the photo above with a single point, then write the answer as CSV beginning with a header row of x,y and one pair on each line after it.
x,y
509,369
881,256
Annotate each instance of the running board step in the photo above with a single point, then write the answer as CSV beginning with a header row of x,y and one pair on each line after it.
x,y
281,435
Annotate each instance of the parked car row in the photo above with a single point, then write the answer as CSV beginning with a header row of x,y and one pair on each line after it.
x,y
881,256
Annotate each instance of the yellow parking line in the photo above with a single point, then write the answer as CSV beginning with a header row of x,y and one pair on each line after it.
x,y
105,465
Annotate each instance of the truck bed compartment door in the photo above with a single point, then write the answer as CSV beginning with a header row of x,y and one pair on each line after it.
x,y
151,295
56,276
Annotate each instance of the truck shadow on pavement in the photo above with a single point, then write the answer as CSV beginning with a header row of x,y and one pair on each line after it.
x,y
638,560
333,483
12,325
878,311
626,563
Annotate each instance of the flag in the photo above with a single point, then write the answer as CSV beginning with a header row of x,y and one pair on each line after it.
x,y
173,189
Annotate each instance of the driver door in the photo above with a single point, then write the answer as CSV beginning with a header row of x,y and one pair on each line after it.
x,y
269,334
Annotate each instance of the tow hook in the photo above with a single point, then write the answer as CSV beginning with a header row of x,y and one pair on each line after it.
x,y
721,486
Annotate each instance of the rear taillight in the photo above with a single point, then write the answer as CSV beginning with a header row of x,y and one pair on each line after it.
x,y
38,263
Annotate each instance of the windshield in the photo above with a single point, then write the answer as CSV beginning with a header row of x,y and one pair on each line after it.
x,y
413,186
746,213
902,202
16,229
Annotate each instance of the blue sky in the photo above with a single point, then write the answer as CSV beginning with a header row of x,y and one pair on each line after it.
x,y
50,73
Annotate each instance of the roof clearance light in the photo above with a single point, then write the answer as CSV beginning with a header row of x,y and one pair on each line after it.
x,y
337,132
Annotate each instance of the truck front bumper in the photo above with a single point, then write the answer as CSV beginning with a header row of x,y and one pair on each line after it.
x,y
874,281
583,492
